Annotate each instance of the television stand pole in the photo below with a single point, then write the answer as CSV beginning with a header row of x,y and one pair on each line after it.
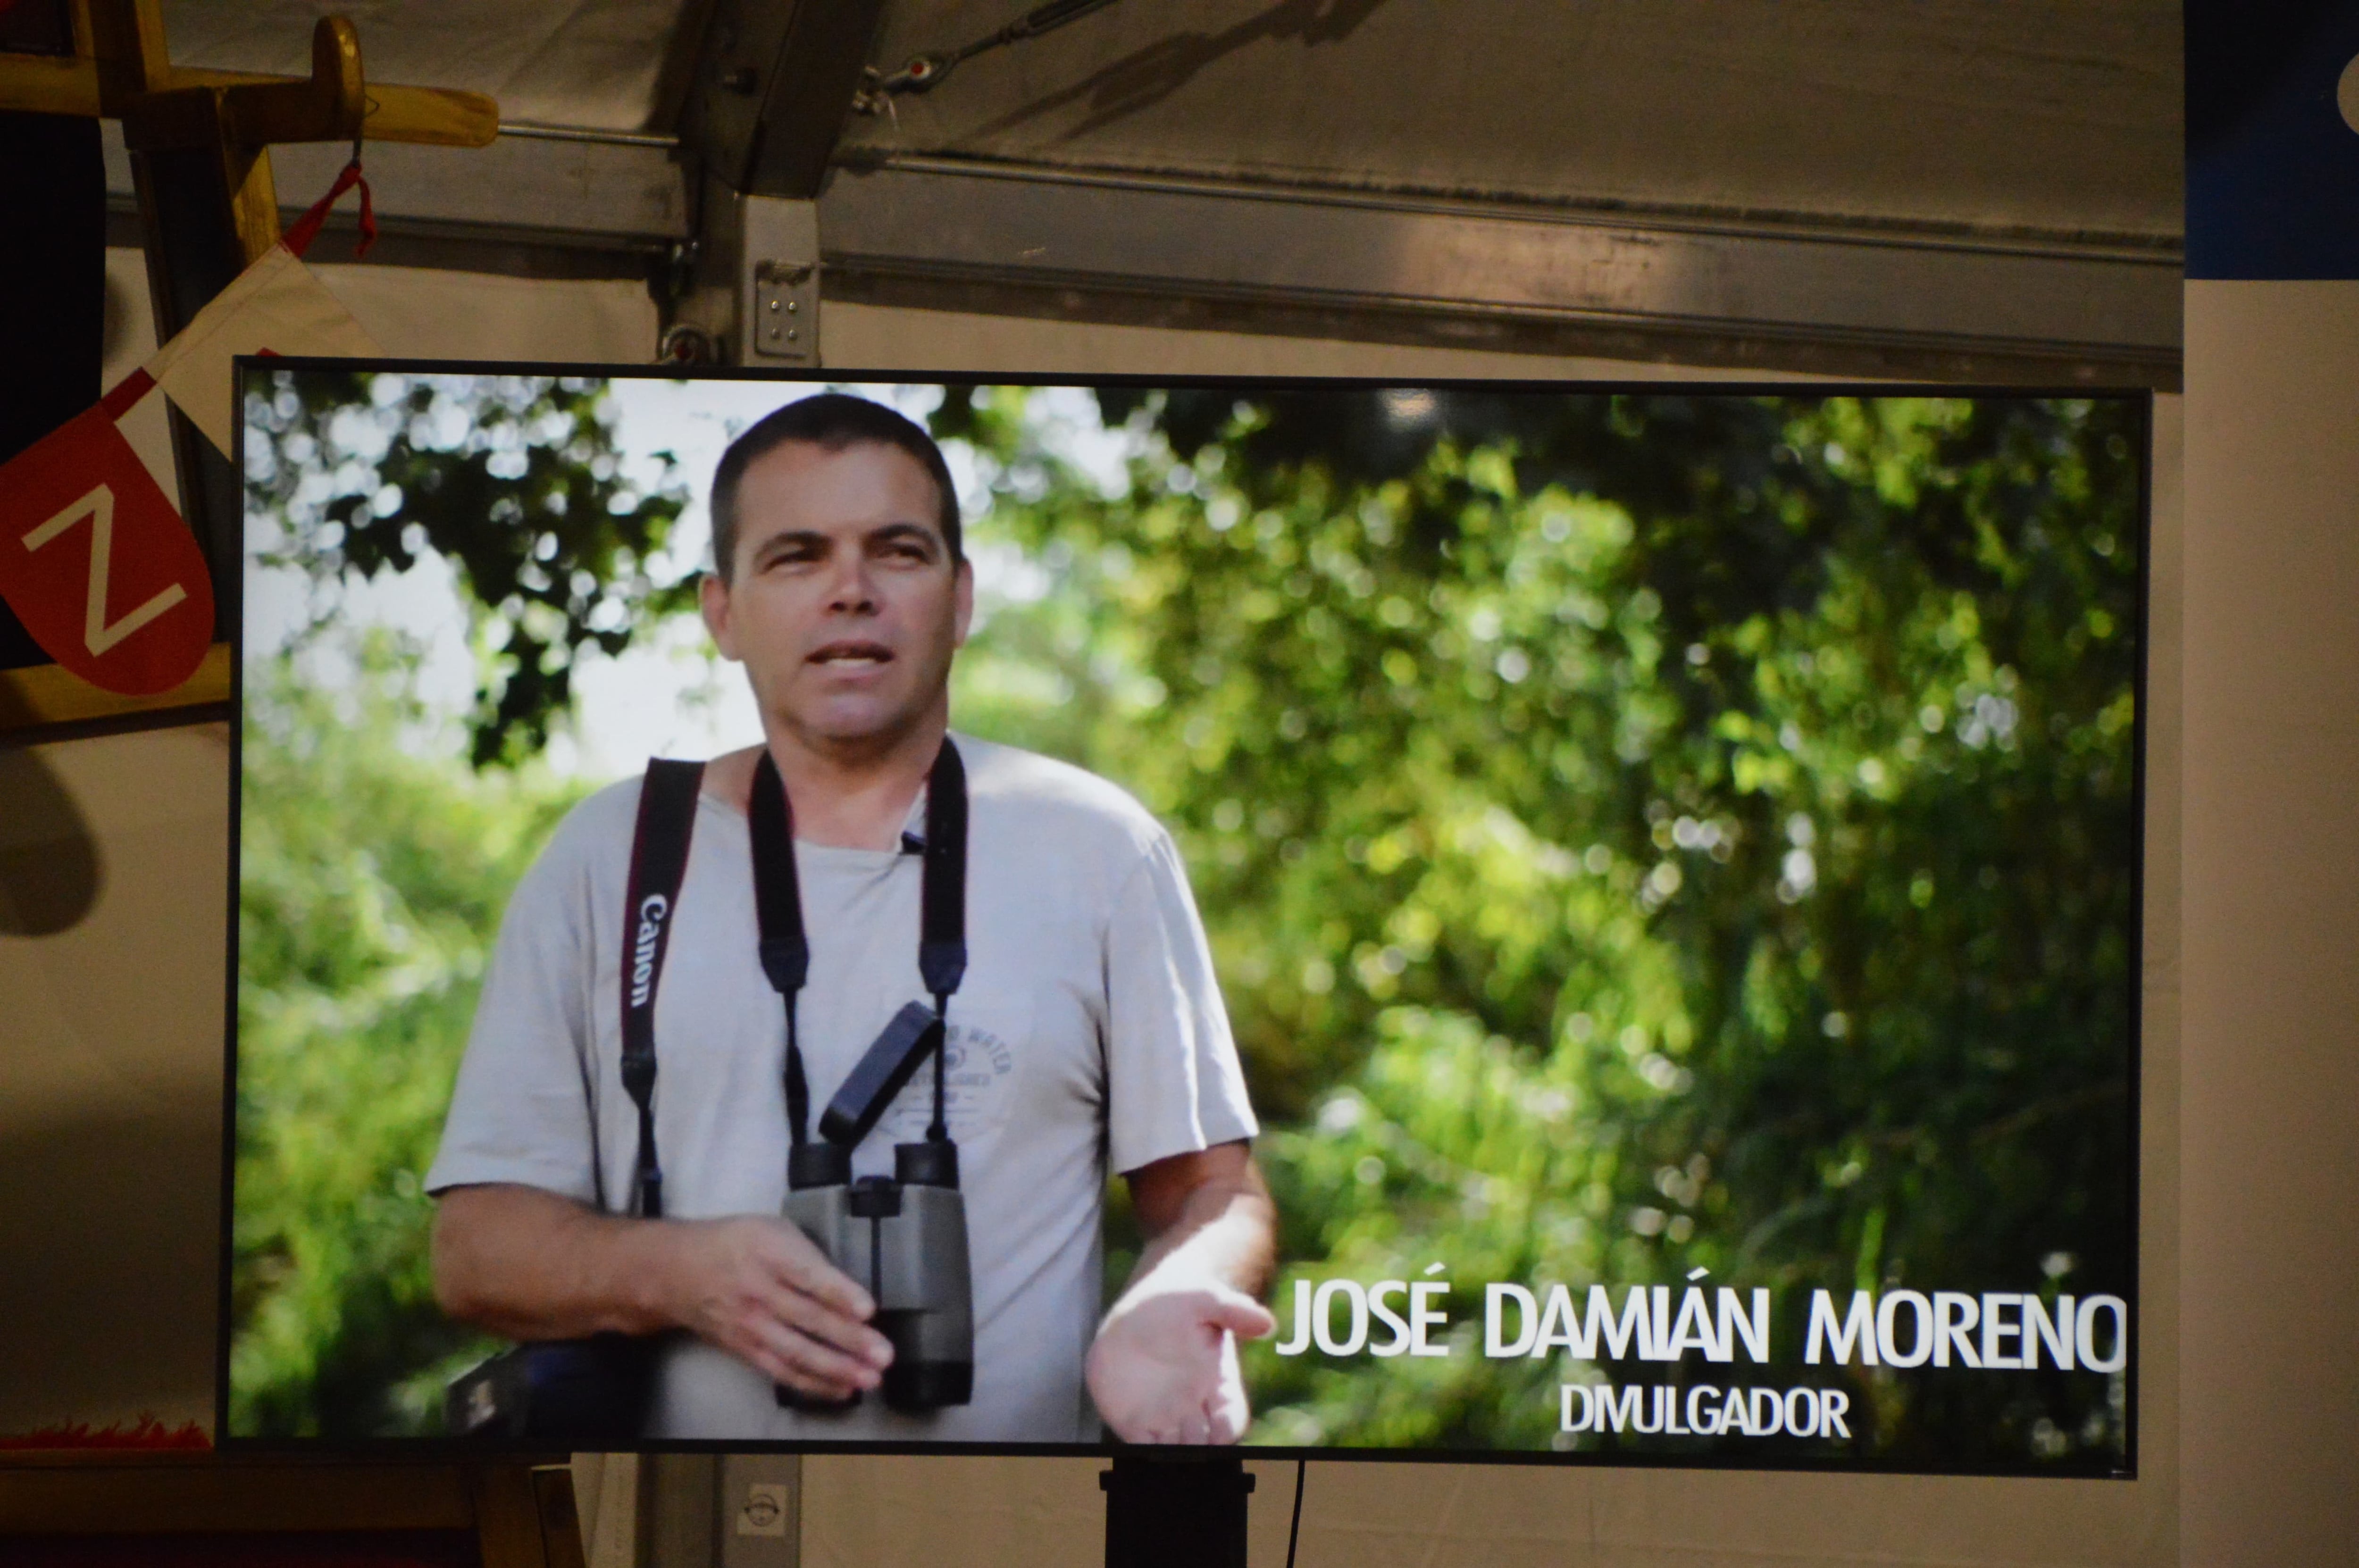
x,y
1176,1512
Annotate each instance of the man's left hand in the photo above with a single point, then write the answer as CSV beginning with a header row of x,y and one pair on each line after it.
x,y
1164,1368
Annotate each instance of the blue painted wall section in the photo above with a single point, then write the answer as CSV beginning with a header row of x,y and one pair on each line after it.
x,y
2272,150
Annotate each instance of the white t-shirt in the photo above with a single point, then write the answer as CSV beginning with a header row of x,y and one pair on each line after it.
x,y
1088,1036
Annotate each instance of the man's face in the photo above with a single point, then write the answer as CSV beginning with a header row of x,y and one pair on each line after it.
x,y
843,603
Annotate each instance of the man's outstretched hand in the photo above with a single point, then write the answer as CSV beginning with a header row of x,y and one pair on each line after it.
x,y
1164,1368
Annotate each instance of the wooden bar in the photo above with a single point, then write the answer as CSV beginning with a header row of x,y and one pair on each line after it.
x,y
431,116
520,1511
205,1494
49,693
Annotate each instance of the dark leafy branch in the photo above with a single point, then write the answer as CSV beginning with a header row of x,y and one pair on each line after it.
x,y
515,480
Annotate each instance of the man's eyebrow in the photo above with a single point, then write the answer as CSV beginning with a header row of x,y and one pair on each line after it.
x,y
893,531
789,539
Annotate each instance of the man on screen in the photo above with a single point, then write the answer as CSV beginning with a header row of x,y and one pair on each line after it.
x,y
1089,1033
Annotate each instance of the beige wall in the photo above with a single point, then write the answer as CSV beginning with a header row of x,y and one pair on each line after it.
x,y
2270,1168
110,1307
114,889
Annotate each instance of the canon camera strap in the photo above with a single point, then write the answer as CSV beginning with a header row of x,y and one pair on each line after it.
x,y
659,861
941,938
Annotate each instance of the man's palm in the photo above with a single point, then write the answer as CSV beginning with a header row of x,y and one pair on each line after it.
x,y
1164,1368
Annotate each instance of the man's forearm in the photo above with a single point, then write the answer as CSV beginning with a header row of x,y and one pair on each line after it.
x,y
528,1264
1224,1227
1164,1366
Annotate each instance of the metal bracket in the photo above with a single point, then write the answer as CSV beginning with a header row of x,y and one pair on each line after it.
x,y
778,268
786,311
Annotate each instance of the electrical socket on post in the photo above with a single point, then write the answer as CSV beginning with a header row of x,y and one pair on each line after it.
x,y
761,1499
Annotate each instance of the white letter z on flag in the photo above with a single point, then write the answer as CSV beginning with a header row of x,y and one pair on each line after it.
x,y
97,633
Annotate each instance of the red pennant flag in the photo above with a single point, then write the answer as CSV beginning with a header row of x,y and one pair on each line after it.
x,y
96,560
94,557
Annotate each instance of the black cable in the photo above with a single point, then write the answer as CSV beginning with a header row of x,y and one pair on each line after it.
x,y
1294,1530
925,73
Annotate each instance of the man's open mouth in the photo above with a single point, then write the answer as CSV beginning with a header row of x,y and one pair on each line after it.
x,y
853,655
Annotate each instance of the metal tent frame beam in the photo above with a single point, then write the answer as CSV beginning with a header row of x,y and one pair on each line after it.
x,y
1798,294
1794,295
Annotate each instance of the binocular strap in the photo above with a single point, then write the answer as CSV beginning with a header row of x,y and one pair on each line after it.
x,y
941,920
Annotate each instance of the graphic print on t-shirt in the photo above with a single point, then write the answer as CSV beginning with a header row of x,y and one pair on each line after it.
x,y
977,1073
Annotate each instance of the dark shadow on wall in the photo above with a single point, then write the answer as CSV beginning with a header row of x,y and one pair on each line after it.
x,y
1145,77
50,874
111,1238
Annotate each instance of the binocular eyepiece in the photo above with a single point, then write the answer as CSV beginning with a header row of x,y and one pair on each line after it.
x,y
903,1236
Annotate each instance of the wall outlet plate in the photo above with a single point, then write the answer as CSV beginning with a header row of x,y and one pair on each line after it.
x,y
761,1515
765,1509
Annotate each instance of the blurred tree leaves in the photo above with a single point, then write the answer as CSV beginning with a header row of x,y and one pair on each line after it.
x,y
372,877
1638,834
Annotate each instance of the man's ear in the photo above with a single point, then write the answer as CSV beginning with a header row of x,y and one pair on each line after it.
x,y
712,599
962,592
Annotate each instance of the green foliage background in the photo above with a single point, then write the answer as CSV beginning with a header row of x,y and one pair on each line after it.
x,y
1638,834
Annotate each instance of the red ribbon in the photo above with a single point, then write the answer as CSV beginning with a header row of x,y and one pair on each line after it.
x,y
304,230
127,392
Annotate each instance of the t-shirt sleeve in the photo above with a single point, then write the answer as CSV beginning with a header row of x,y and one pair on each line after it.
x,y
1174,1083
521,1111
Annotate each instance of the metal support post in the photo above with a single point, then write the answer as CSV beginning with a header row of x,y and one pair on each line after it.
x,y
1176,1513
733,1510
754,301
679,1501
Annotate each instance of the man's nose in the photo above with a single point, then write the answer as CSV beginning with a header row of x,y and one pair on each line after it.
x,y
853,588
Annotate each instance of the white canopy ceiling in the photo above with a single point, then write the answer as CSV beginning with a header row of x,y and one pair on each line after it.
x,y
2047,116
2051,115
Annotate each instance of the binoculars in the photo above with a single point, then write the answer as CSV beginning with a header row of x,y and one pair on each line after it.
x,y
903,1235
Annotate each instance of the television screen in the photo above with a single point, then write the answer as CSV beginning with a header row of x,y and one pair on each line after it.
x,y
1559,922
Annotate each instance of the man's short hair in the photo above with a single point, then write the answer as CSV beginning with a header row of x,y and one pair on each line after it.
x,y
831,421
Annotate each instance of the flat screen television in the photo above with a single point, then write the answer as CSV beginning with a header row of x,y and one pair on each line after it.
x,y
1547,922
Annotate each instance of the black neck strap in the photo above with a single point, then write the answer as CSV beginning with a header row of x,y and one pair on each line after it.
x,y
941,920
